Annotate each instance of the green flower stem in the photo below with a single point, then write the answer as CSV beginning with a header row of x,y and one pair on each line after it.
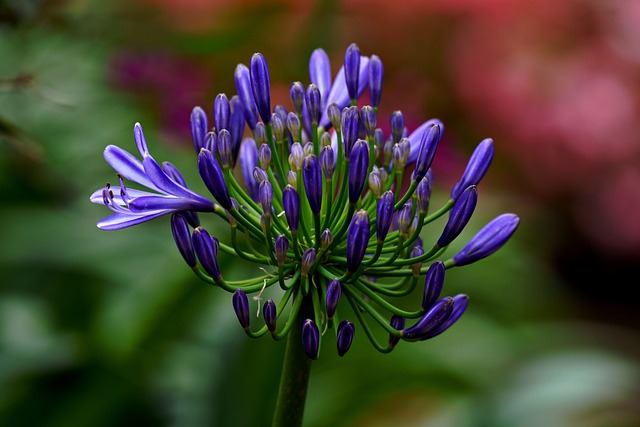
x,y
357,300
296,369
243,254
367,330
407,195
385,304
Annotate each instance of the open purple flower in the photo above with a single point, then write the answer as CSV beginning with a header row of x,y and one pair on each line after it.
x,y
132,206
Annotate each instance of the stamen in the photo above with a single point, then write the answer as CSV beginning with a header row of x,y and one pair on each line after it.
x,y
259,296
123,191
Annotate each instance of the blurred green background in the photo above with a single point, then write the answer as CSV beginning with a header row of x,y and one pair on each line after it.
x,y
111,328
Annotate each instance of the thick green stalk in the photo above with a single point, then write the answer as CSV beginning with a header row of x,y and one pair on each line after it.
x,y
296,370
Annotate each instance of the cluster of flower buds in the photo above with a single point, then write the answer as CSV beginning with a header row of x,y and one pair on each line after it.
x,y
322,206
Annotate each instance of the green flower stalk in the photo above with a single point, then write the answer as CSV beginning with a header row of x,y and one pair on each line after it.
x,y
321,213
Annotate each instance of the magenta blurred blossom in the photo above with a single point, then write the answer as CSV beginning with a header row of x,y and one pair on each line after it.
x,y
169,81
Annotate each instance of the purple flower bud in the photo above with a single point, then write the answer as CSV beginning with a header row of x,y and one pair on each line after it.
x,y
259,175
327,162
292,179
308,259
423,194
397,322
310,339
346,331
375,184
416,252
427,152
261,86
406,149
236,126
358,170
334,292
320,71
224,147
326,238
248,162
368,119
433,283
260,134
221,112
182,236
357,240
199,127
460,215
296,156
213,178
206,249
335,115
277,127
476,168
281,246
488,240
242,78
266,196
297,97
384,215
269,313
398,155
397,125
308,148
241,307
313,102
352,70
376,74
325,140
291,204
282,113
404,218
460,303
264,155
350,128
312,177
293,124
436,316
211,142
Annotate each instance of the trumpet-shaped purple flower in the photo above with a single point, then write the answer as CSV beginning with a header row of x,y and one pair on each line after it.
x,y
131,206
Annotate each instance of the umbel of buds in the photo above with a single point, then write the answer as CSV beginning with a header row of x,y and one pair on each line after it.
x,y
322,202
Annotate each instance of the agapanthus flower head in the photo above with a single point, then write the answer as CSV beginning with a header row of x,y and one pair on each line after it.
x,y
319,197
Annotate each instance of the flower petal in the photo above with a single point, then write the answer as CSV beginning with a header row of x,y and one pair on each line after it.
x,y
167,185
415,138
339,93
127,165
118,221
320,73
169,203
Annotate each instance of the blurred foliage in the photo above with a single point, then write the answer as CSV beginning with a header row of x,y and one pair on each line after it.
x,y
111,328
